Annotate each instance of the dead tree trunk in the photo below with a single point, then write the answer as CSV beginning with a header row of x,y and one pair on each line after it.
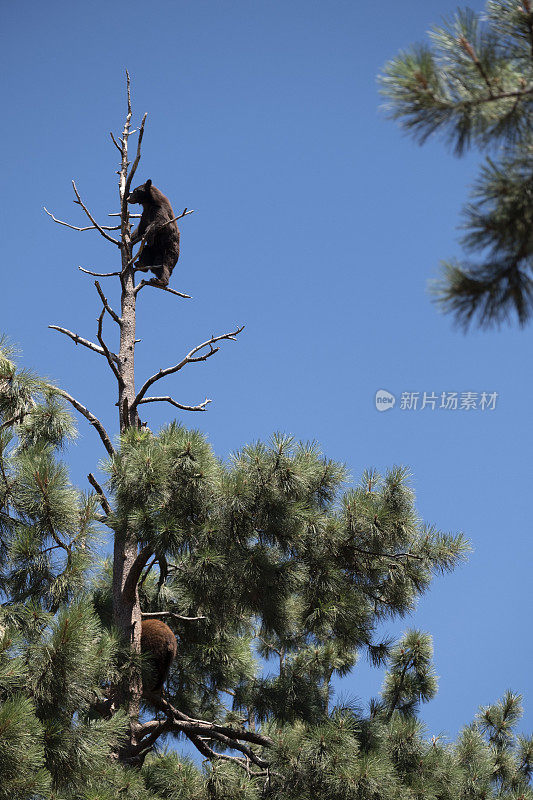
x,y
126,606
129,558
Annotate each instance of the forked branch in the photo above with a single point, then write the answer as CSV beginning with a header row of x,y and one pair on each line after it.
x,y
98,227
190,358
228,736
106,351
77,228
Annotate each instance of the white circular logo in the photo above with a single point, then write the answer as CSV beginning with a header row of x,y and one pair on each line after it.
x,y
384,400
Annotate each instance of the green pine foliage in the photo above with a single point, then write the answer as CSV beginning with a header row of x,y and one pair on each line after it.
x,y
51,670
275,577
47,526
473,85
276,559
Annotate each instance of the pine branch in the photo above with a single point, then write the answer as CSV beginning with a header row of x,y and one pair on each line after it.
x,y
104,502
49,524
409,662
211,754
468,48
180,723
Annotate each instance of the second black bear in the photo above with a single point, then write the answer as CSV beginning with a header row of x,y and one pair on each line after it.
x,y
160,645
162,246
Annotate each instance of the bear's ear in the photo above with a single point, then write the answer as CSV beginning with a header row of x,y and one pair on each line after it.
x,y
148,184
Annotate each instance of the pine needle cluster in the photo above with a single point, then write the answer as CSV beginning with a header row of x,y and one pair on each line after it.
x,y
473,85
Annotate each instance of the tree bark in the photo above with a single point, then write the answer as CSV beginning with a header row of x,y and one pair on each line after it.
x,y
126,606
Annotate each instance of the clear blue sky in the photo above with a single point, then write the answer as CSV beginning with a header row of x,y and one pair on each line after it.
x,y
318,224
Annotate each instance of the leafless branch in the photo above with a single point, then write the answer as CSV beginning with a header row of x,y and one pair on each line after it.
x,y
76,228
119,148
203,747
85,342
137,157
104,502
208,752
98,274
143,729
178,617
190,358
104,436
149,732
164,288
128,117
106,304
130,215
225,734
94,222
123,177
107,354
200,407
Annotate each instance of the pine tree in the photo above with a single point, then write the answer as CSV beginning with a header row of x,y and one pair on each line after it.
x,y
474,87
273,575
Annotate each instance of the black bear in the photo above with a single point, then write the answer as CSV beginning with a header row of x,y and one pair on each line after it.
x,y
159,643
162,243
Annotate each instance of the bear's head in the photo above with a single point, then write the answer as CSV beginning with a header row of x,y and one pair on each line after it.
x,y
142,194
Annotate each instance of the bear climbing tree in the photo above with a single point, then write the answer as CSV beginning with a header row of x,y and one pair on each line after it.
x,y
158,232
158,238
159,644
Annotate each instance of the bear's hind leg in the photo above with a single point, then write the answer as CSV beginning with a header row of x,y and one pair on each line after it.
x,y
162,275
146,259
